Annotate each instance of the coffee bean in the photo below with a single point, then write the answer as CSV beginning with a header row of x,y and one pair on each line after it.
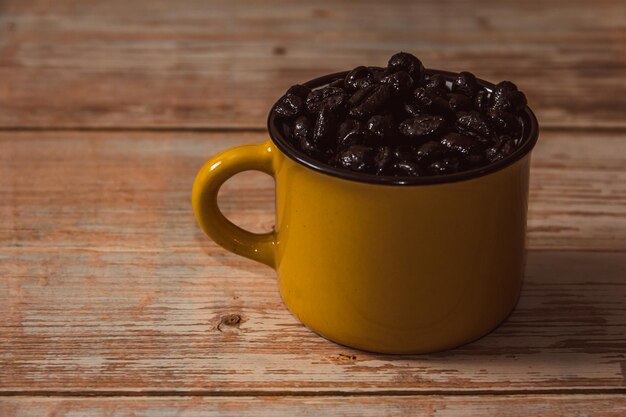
x,y
474,123
448,165
302,128
309,148
507,97
360,136
348,128
332,98
422,126
458,102
289,105
360,77
504,147
383,159
369,102
465,83
427,100
436,82
481,101
403,61
430,151
299,90
322,131
459,143
357,158
504,122
338,83
381,126
401,81
403,153
412,109
405,169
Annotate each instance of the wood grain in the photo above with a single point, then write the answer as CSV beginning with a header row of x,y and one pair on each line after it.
x,y
366,406
199,64
108,284
90,321
132,190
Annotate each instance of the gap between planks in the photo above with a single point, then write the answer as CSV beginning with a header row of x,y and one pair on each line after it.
x,y
310,393
259,129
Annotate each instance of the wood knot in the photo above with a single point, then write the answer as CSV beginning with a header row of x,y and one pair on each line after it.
x,y
342,357
279,50
231,320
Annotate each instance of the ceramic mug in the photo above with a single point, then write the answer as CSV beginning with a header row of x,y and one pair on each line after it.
x,y
383,264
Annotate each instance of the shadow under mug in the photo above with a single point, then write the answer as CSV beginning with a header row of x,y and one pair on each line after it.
x,y
383,264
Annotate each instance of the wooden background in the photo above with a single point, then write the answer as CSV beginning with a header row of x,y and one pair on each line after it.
x,y
113,302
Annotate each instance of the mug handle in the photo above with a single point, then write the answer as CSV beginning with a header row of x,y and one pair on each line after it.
x,y
256,246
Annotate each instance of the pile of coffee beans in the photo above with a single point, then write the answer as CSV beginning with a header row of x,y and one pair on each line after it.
x,y
399,121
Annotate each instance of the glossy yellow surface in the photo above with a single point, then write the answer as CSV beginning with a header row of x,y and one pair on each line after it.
x,y
384,268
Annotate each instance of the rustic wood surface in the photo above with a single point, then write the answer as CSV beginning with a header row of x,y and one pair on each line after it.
x,y
114,303
361,406
192,64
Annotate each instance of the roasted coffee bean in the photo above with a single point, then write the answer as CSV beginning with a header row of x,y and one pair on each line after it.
x,y
481,101
322,131
507,97
508,147
359,136
371,101
357,158
332,98
337,84
490,153
504,147
383,159
412,109
405,169
360,77
422,126
310,149
403,153
459,102
465,83
302,128
474,159
378,73
401,81
381,126
448,165
403,61
474,123
430,151
299,90
504,122
426,100
459,143
436,82
347,129
289,106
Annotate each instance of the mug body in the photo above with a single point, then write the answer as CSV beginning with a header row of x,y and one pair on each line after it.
x,y
400,268
384,264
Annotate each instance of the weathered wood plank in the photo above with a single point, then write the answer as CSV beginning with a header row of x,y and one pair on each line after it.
x,y
374,406
101,320
132,190
206,64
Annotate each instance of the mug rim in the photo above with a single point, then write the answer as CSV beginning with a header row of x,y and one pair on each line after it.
x,y
530,129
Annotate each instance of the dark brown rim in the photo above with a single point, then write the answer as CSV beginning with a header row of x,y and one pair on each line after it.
x,y
530,136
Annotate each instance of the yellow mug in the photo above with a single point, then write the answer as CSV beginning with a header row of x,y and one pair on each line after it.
x,y
380,264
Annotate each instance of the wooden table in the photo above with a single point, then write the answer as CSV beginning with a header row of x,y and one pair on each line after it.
x,y
114,303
